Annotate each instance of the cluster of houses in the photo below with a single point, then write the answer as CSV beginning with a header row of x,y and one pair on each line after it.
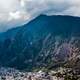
x,y
12,74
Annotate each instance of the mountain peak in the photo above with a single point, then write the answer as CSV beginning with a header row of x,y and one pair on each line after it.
x,y
36,43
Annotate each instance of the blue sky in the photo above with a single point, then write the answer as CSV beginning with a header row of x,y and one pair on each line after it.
x,y
17,12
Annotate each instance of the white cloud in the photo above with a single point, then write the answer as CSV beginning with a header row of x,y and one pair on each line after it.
x,y
8,5
14,15
15,11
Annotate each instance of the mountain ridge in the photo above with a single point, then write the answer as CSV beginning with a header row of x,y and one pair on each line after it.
x,y
38,18
41,42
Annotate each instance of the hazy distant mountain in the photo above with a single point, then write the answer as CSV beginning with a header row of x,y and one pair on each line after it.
x,y
45,41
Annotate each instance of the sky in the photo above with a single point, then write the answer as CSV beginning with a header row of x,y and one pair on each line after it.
x,y
17,12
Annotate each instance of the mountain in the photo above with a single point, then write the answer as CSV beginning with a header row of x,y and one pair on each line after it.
x,y
46,41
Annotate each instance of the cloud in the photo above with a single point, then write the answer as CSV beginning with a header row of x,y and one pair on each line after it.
x,y
53,7
14,15
21,11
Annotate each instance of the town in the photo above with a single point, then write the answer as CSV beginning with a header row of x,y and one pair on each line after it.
x,y
12,74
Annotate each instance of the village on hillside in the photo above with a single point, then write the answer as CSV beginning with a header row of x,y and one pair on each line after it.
x,y
61,74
